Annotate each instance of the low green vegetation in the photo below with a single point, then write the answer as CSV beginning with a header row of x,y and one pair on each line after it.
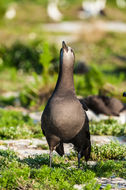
x,y
4,101
107,127
35,56
15,125
35,173
111,151
21,56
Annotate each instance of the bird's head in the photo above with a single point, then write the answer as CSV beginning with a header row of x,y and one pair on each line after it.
x,y
66,54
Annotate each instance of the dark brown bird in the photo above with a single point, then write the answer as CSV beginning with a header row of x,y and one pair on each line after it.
x,y
124,94
64,119
81,68
104,104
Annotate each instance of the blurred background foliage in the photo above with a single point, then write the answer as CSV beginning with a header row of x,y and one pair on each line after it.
x,y
29,55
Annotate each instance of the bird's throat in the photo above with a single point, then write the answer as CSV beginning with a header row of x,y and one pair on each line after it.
x,y
65,79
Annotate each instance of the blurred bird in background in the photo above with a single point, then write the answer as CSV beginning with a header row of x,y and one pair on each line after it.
x,y
92,8
53,11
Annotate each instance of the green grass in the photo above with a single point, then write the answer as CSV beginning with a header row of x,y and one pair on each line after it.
x,y
35,173
107,127
15,125
111,151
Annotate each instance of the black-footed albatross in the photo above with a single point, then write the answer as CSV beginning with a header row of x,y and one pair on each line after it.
x,y
64,119
103,104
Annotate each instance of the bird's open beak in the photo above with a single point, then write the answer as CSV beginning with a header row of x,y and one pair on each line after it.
x,y
124,94
64,46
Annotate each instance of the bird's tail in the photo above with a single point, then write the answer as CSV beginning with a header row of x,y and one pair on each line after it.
x,y
60,149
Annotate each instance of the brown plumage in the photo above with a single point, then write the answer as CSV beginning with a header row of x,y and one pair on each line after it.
x,y
64,119
81,68
104,104
124,94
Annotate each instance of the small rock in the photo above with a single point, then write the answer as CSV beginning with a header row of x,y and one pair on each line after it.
x,y
116,182
36,116
79,187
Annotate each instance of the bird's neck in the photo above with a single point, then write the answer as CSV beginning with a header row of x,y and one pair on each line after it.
x,y
65,80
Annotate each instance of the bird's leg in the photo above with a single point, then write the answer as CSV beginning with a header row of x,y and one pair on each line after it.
x,y
86,164
50,158
79,157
